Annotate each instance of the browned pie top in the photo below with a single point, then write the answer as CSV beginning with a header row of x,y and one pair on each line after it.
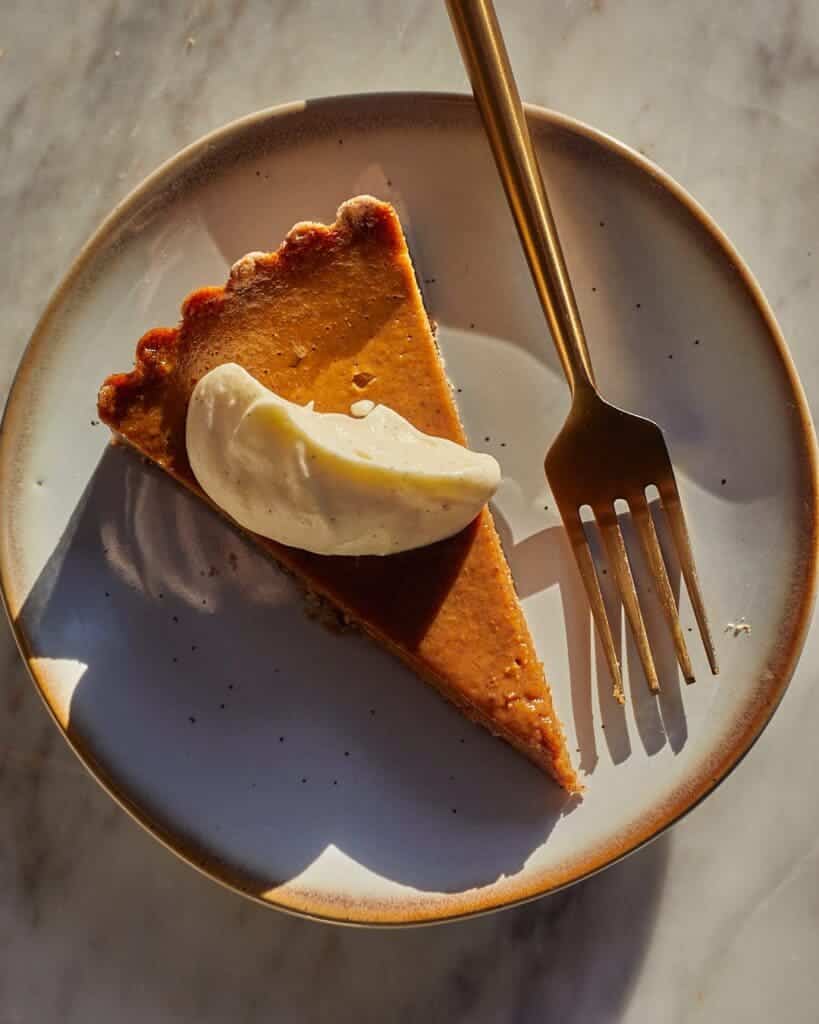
x,y
335,316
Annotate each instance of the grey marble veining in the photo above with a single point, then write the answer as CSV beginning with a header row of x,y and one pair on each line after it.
x,y
718,920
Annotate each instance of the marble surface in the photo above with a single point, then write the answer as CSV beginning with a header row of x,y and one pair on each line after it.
x,y
717,920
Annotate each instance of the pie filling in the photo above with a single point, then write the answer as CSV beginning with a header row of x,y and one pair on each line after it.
x,y
335,318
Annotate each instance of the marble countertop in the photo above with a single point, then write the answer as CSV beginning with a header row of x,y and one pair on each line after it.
x,y
718,919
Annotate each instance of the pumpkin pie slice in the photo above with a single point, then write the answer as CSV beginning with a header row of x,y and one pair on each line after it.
x,y
335,316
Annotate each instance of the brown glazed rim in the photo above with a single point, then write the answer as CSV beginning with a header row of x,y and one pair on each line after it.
x,y
418,909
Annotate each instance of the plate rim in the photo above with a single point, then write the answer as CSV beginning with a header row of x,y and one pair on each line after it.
x,y
408,913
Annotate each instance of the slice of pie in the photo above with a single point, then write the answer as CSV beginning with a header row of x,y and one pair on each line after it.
x,y
336,316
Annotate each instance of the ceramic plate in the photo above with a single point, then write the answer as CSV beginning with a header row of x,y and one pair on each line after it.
x,y
308,769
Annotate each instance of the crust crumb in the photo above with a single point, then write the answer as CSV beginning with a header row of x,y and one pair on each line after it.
x,y
325,614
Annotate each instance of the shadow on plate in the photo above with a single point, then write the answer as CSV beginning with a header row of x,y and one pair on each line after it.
x,y
545,559
244,732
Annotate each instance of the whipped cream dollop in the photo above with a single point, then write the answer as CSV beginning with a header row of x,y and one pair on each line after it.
x,y
327,482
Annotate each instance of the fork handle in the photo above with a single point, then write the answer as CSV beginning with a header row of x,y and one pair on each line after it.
x,y
487,62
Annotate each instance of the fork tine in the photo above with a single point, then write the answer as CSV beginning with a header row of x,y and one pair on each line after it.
x,y
588,573
618,559
679,531
644,524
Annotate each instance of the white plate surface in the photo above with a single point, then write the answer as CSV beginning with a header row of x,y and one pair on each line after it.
x,y
310,769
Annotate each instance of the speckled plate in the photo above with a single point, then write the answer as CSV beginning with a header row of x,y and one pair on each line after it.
x,y
309,770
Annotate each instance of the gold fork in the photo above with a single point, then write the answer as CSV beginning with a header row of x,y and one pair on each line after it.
x,y
602,454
